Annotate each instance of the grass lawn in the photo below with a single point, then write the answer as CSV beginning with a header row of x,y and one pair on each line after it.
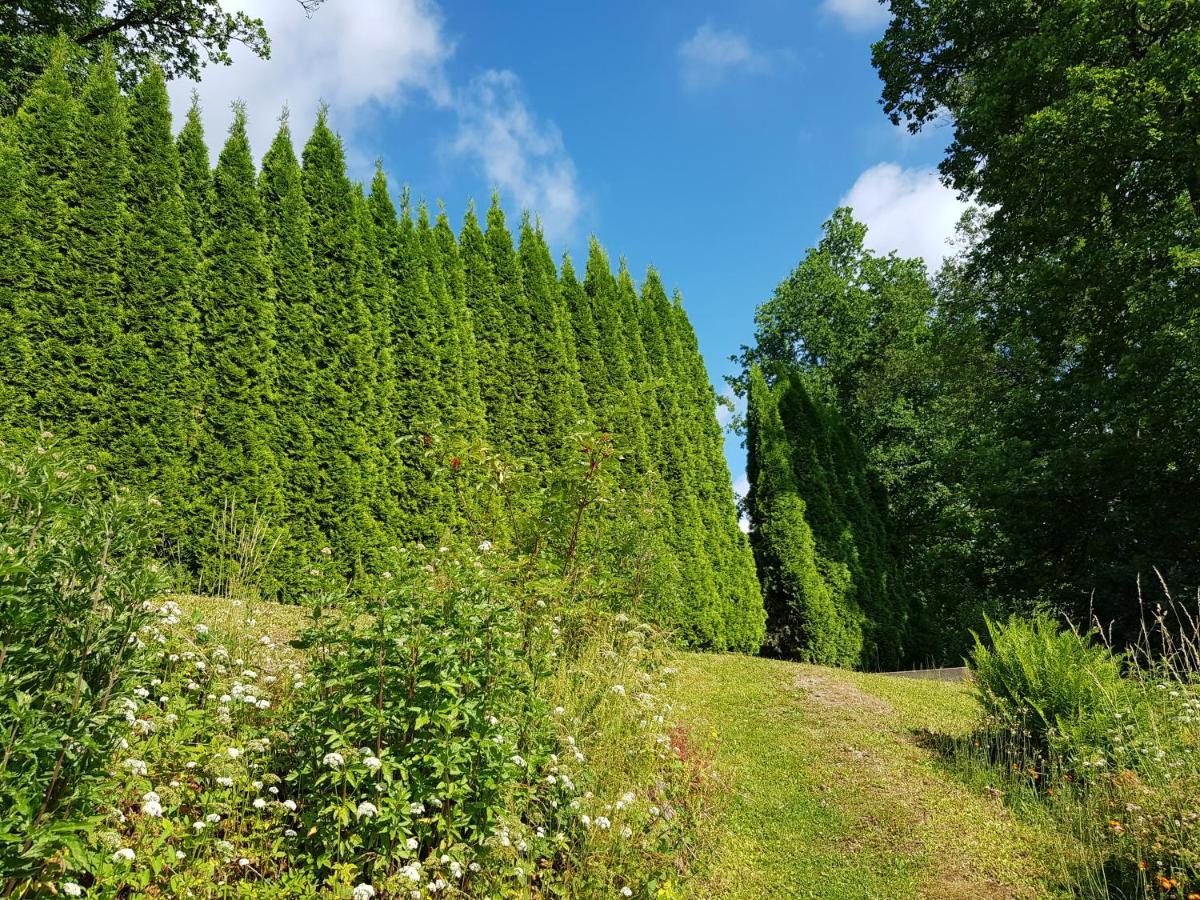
x,y
830,792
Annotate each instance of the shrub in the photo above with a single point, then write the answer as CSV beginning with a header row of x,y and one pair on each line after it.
x,y
74,594
423,715
480,719
1063,690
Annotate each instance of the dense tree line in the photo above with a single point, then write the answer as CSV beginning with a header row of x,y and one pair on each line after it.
x,y
282,342
1033,411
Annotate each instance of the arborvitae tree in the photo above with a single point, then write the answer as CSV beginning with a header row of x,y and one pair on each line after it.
x,y
578,412
333,345
383,424
236,470
344,356
554,410
617,408
846,514
14,279
805,618
513,425
727,546
195,177
451,387
85,334
151,427
700,611
474,418
286,222
491,332
44,134
419,402
578,309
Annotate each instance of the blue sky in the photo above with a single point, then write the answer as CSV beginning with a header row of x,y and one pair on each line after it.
x,y
710,140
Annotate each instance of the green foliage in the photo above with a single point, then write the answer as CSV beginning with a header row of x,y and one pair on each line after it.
x,y
344,355
476,715
74,596
1098,744
178,37
277,353
149,432
236,373
195,179
1069,322
810,613
286,222
1065,691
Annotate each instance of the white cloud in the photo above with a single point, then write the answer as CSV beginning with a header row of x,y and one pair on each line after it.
x,y
858,15
521,156
711,54
351,53
906,210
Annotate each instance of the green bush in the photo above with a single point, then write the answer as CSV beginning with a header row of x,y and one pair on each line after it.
x,y
423,715
74,595
483,718
1060,689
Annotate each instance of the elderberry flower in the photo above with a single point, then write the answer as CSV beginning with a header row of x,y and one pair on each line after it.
x,y
367,809
363,892
151,806
334,760
71,889
125,854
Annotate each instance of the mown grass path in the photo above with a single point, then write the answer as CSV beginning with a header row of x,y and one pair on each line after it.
x,y
831,792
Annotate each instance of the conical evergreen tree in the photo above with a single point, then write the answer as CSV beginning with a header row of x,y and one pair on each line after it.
x,y
286,222
700,612
491,333
45,135
236,470
150,436
555,402
14,281
420,402
617,407
804,620
474,418
727,546
85,334
382,424
586,339
451,389
515,422
344,356
195,177
845,512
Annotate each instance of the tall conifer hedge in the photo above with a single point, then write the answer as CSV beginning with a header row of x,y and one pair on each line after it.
x,y
281,342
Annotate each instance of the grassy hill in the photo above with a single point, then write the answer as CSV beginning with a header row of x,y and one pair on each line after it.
x,y
831,789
